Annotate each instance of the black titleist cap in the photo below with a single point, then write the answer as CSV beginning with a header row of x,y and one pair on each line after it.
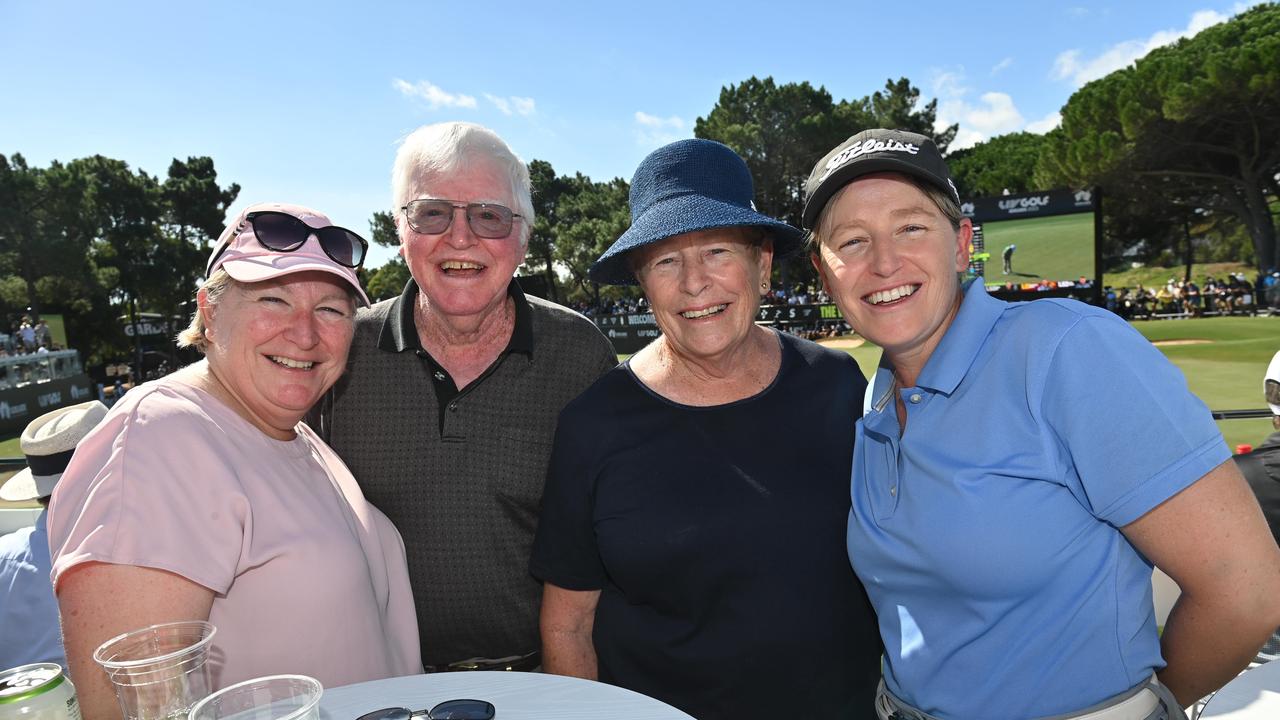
x,y
873,151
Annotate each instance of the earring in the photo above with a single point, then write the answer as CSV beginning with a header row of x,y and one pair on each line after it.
x,y
764,286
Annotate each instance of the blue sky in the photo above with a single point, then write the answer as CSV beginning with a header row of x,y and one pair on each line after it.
x,y
304,102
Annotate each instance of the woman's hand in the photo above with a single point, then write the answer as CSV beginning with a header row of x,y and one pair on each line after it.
x,y
99,601
567,619
1211,538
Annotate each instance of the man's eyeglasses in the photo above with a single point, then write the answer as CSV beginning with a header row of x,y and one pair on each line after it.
x,y
447,710
486,220
1272,391
283,232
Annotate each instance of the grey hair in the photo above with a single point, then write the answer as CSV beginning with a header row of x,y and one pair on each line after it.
x,y
214,288
945,203
441,149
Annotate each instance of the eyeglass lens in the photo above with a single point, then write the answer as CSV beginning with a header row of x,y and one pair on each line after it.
x,y
1272,388
286,233
388,714
486,220
447,710
462,710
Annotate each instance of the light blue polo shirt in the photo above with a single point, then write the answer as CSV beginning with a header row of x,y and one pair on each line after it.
x,y
29,629
987,535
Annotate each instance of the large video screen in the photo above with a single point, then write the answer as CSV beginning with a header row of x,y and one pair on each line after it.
x,y
1035,243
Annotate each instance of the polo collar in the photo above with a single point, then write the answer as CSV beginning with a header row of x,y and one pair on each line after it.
x,y
959,347
399,333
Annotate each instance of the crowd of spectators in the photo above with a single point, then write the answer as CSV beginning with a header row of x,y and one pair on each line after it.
x,y
798,295
777,295
26,336
607,306
1230,295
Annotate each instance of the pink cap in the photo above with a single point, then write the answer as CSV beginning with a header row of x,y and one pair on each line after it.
x,y
248,260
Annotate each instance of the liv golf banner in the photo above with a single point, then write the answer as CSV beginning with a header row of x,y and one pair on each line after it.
x,y
1036,204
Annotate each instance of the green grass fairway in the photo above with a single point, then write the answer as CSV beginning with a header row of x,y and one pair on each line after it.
x,y
1052,248
1225,372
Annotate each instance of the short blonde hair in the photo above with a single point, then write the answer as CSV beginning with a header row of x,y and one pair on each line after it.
x,y
214,288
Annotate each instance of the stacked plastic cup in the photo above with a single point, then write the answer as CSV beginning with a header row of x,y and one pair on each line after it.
x,y
160,671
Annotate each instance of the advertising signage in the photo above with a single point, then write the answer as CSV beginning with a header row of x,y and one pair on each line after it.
x,y
1036,204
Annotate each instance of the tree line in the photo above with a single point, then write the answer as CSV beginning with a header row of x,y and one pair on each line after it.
x,y
94,239
1183,144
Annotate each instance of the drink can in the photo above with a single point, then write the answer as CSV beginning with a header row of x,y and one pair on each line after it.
x,y
39,691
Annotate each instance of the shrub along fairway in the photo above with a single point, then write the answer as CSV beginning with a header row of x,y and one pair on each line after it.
x,y
1223,360
1052,248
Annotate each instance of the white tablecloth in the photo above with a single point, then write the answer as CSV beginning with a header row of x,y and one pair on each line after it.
x,y
1255,695
515,696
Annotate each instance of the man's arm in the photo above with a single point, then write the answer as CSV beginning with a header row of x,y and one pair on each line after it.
x,y
1212,540
568,617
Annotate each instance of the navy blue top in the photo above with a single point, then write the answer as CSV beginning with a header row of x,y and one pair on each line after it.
x,y
716,537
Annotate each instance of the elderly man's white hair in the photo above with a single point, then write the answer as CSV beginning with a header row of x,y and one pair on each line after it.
x,y
433,151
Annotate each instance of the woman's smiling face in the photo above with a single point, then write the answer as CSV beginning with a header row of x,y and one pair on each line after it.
x,y
890,257
704,288
278,345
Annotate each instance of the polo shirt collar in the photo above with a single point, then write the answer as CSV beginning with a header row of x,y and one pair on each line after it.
x,y
968,332
399,333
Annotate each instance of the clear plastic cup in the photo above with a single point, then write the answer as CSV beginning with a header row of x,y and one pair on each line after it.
x,y
277,697
159,671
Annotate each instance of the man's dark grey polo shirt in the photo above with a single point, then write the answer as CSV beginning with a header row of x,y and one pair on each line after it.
x,y
462,479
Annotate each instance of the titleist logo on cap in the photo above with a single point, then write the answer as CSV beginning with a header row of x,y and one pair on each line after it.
x,y
863,147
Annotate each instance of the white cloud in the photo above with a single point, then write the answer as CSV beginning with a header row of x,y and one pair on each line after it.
x,y
1045,124
654,130
1002,65
512,105
433,95
1074,66
993,113
653,121
949,83
503,106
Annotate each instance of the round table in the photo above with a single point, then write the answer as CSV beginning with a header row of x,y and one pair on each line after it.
x,y
515,696
1253,695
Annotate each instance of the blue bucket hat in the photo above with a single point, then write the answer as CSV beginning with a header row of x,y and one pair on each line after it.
x,y
683,187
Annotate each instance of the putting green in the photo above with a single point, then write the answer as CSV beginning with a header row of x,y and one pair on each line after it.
x,y
1049,248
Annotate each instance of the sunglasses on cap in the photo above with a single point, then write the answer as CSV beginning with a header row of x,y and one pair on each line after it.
x,y
447,710
486,220
282,232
